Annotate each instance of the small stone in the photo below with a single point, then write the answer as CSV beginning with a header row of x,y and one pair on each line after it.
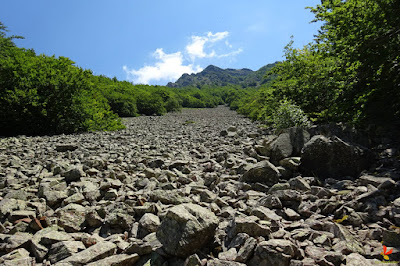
x,y
93,219
64,249
73,174
17,215
299,183
246,250
250,226
66,147
228,255
192,260
292,215
148,224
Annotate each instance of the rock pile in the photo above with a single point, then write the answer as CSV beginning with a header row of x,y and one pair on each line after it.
x,y
217,190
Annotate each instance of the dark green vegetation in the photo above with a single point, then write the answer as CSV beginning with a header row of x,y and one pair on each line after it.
x,y
42,94
215,76
350,73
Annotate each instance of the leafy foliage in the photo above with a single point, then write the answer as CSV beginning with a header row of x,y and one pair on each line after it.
x,y
48,95
289,115
365,37
350,73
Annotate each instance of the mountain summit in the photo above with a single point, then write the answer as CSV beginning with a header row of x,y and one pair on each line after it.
x,y
215,76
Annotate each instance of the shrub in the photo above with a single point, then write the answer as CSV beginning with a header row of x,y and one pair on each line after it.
x,y
289,115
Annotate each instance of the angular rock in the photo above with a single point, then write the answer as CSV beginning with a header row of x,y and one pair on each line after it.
x,y
333,158
148,224
11,242
66,147
355,259
168,197
17,215
270,201
71,217
52,237
246,250
94,253
218,262
281,148
352,243
250,226
64,249
117,260
263,172
265,214
291,214
17,257
277,252
192,260
73,174
299,183
372,180
186,228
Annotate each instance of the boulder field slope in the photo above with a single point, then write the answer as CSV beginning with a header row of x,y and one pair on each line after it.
x,y
200,187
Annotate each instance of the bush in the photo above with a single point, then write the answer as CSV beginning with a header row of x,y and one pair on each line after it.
x,y
48,95
172,105
289,115
148,104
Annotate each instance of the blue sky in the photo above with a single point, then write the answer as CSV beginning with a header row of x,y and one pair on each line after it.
x,y
156,41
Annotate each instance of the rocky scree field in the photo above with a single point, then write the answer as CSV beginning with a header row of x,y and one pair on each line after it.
x,y
200,187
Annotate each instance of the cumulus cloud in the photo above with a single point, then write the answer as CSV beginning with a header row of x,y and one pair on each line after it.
x,y
195,49
169,67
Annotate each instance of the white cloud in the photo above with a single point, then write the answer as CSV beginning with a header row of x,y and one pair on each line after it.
x,y
233,53
195,49
170,67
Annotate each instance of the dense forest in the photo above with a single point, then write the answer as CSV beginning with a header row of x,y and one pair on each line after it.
x,y
349,73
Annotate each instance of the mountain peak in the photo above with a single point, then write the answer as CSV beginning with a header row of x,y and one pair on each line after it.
x,y
215,76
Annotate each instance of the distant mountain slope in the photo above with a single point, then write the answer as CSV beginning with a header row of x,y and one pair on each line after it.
x,y
216,76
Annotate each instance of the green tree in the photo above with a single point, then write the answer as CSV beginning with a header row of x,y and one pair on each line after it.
x,y
364,35
48,95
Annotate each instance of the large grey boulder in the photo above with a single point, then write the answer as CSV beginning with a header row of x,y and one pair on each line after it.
x,y
334,158
281,148
186,228
288,144
263,172
277,252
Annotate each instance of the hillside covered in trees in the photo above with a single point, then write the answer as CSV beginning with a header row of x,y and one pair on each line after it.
x,y
349,73
215,76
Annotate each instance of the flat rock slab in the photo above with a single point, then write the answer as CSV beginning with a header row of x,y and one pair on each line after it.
x,y
94,253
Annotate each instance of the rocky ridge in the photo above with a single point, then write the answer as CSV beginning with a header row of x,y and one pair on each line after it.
x,y
201,187
215,76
